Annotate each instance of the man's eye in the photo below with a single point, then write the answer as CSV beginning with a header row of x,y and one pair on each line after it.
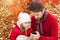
x,y
37,14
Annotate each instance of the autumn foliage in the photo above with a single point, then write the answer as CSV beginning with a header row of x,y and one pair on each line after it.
x,y
20,6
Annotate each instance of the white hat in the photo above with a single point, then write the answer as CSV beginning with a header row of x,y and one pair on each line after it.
x,y
22,37
23,17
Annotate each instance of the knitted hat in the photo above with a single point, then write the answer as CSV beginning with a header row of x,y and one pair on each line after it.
x,y
23,17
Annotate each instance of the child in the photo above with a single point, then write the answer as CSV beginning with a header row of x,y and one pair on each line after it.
x,y
23,26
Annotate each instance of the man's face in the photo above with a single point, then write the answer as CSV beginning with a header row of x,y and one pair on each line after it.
x,y
38,15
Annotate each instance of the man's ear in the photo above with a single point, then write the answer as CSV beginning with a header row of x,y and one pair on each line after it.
x,y
31,14
43,10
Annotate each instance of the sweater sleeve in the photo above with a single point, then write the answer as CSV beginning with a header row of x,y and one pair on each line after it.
x,y
14,34
53,31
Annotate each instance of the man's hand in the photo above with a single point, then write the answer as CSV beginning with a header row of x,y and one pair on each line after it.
x,y
35,36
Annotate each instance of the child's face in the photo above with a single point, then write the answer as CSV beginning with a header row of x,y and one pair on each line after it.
x,y
26,25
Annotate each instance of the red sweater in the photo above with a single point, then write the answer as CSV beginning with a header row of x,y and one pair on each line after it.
x,y
50,28
17,31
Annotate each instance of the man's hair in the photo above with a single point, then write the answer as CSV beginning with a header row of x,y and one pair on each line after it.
x,y
35,6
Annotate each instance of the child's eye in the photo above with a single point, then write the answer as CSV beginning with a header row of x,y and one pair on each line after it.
x,y
29,22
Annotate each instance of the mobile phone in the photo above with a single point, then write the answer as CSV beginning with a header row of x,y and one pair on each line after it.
x,y
33,32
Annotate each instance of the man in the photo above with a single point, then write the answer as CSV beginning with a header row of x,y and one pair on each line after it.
x,y
45,23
